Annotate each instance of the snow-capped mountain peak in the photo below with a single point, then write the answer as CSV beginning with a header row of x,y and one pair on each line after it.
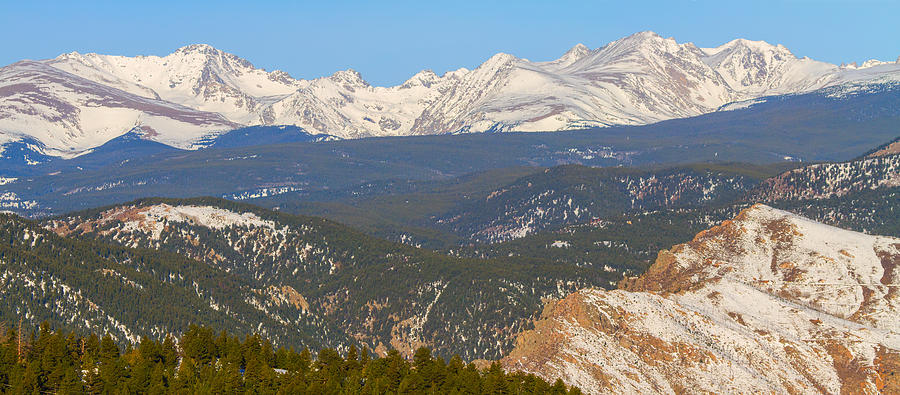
x,y
69,114
639,79
424,78
349,78
199,48
198,76
573,55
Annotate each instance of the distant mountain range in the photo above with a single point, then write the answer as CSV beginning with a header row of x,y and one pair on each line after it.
x,y
831,124
71,104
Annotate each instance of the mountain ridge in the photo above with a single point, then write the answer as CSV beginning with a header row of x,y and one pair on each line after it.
x,y
765,302
639,79
312,271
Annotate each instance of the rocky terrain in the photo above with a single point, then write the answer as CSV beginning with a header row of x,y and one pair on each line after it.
x,y
826,180
766,302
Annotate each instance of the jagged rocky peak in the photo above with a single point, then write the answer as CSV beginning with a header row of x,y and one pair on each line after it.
x,y
74,55
645,39
204,49
201,50
211,53
577,51
456,74
768,302
349,77
425,78
751,54
754,65
211,58
281,77
745,45
645,48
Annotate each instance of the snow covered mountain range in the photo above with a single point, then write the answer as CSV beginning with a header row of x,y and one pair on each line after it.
x,y
75,102
769,302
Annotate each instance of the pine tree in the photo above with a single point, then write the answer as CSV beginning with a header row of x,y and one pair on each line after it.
x,y
92,382
56,360
169,353
558,388
20,343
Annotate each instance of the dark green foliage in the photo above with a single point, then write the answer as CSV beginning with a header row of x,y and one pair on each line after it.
x,y
868,211
364,285
486,206
625,243
61,362
77,284
399,209
573,194
629,242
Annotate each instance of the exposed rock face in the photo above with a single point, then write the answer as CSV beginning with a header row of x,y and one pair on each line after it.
x,y
766,303
891,148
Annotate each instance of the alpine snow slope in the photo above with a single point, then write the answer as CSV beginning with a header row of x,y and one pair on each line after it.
x,y
768,302
75,102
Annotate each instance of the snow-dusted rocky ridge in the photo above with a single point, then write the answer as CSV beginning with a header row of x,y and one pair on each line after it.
x,y
77,101
766,303
825,180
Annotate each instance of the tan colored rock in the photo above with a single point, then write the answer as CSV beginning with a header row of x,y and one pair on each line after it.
x,y
766,303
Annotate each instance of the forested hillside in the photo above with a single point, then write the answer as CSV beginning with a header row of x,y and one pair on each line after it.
x,y
380,294
87,286
568,195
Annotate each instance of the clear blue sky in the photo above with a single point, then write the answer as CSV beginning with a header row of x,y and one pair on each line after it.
x,y
389,41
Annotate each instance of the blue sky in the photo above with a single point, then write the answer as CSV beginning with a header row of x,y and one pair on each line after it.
x,y
389,41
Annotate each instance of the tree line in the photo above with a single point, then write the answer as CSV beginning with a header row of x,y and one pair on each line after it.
x,y
203,361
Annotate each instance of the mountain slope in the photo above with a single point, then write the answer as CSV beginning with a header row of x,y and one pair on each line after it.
x,y
826,180
381,294
70,114
639,79
197,76
88,286
572,194
767,302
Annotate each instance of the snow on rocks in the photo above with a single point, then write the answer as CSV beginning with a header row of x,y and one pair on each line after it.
x,y
78,101
768,302
152,219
